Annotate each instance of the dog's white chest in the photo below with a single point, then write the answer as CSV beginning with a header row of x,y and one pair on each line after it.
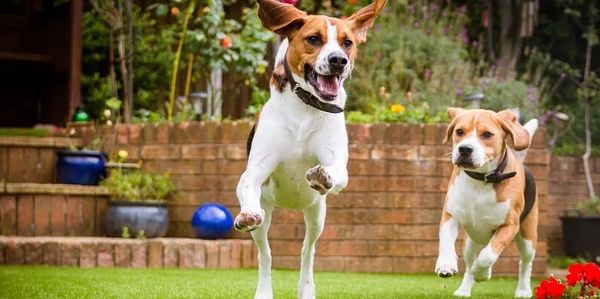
x,y
300,133
475,206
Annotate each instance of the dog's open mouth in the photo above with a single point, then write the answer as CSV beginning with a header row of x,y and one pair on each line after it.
x,y
327,86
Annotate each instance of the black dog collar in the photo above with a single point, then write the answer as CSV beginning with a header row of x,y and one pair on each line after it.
x,y
496,176
307,97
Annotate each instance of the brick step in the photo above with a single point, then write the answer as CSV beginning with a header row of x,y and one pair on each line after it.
x,y
31,159
135,253
32,209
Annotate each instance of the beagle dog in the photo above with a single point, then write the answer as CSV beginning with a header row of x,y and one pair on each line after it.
x,y
298,149
491,194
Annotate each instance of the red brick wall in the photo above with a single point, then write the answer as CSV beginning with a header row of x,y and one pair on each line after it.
x,y
567,187
30,159
51,215
386,220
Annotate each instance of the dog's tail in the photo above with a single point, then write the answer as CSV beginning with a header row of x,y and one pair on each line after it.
x,y
531,126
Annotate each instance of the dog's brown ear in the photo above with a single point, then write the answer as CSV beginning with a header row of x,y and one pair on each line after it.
x,y
362,20
281,18
452,114
510,125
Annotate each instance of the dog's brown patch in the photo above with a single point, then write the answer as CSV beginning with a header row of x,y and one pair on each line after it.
x,y
297,26
278,79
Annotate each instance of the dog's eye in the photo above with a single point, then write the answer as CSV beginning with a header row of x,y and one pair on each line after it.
x,y
487,135
313,39
347,43
460,132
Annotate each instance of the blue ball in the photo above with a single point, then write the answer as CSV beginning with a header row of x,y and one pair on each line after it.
x,y
212,221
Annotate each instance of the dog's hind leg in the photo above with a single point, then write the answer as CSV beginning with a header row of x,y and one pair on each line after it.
x,y
527,252
526,243
470,252
314,219
264,290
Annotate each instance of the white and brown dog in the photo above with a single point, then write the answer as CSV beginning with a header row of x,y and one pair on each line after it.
x,y
298,150
491,194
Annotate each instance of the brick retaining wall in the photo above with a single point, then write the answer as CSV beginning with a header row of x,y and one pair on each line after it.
x,y
30,209
386,220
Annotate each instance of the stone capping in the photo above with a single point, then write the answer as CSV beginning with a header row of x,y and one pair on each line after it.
x,y
53,142
64,189
227,132
89,252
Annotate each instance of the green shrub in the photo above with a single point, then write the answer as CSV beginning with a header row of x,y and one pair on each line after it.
x,y
138,186
421,49
574,149
563,262
156,36
588,207
153,58
416,114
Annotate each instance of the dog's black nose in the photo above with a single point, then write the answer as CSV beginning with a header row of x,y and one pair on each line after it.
x,y
465,150
337,61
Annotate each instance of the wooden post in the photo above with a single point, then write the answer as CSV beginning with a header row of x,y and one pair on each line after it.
x,y
74,92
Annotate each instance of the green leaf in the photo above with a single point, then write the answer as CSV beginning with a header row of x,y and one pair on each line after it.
x,y
573,13
162,10
113,104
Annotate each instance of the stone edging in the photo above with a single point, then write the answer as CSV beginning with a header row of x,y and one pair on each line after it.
x,y
88,252
35,188
55,142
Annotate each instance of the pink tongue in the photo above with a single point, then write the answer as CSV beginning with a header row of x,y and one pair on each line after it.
x,y
328,85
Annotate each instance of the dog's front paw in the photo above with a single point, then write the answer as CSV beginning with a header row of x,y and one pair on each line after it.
x,y
481,272
318,179
247,221
446,266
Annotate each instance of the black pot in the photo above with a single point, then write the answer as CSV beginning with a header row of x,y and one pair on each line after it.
x,y
580,236
150,217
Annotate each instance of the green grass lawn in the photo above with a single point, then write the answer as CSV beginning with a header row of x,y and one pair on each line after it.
x,y
52,282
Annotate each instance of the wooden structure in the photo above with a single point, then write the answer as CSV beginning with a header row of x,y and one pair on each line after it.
x,y
40,61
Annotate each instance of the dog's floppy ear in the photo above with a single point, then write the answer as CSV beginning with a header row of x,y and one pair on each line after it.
x,y
281,18
510,125
362,20
452,116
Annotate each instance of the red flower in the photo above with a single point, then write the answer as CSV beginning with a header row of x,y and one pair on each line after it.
x,y
592,274
575,274
226,42
588,274
550,288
